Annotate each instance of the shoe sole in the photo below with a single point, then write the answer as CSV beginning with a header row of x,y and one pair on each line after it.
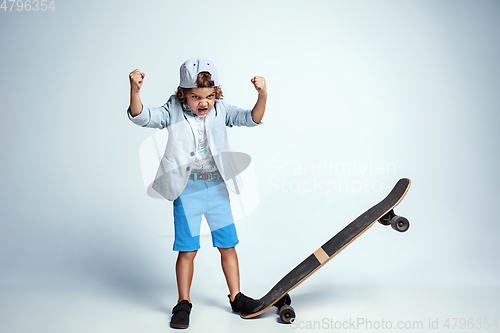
x,y
178,326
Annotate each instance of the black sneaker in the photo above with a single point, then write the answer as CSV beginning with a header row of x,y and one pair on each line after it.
x,y
244,303
180,318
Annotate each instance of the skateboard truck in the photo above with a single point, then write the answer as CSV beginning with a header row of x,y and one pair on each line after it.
x,y
286,312
398,223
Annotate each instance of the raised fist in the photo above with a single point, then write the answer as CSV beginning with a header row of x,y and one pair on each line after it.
x,y
260,85
136,78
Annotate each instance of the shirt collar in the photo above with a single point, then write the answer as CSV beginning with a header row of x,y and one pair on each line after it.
x,y
187,110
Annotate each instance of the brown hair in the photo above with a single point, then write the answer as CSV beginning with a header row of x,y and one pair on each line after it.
x,y
204,80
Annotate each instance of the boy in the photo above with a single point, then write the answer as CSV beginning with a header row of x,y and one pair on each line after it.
x,y
195,169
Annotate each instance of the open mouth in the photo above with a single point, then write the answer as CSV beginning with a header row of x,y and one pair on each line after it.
x,y
202,110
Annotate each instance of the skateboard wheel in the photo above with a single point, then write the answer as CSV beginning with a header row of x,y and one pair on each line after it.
x,y
287,314
400,223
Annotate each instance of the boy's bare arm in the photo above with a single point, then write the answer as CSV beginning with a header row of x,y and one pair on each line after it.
x,y
136,78
260,107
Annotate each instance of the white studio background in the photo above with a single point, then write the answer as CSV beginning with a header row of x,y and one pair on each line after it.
x,y
361,93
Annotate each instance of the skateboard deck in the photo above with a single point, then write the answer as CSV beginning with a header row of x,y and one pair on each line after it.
x,y
382,212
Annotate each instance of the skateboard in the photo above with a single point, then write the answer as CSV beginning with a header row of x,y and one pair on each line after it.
x,y
382,212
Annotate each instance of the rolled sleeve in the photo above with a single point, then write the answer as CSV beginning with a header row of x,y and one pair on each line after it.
x,y
141,119
250,120
236,116
151,117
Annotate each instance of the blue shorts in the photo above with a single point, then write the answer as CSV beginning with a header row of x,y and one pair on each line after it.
x,y
209,198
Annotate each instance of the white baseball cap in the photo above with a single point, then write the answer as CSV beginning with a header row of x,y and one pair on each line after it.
x,y
191,68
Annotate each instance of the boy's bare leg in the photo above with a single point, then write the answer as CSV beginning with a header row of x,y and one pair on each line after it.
x,y
229,262
184,269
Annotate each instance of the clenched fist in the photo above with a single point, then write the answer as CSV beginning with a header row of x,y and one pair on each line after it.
x,y
260,107
136,78
260,85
